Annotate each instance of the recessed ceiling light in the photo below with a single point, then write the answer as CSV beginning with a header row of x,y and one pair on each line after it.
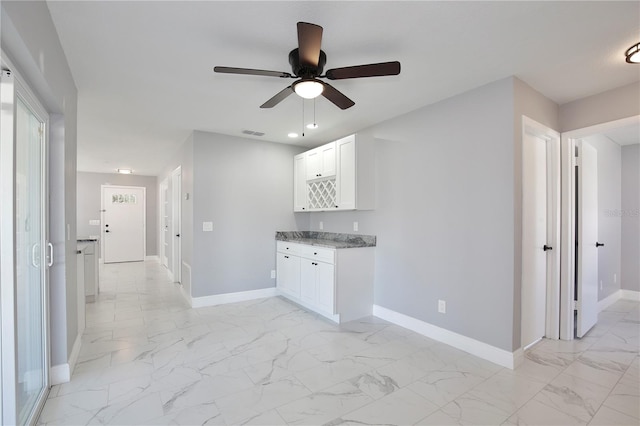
x,y
633,54
312,126
293,135
125,171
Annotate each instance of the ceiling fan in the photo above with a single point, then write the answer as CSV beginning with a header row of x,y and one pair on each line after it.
x,y
307,63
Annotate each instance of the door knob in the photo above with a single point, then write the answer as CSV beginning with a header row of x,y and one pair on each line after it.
x,y
546,247
178,235
599,244
106,230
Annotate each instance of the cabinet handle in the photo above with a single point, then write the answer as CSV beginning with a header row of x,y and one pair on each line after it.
x,y
599,244
286,257
336,207
546,247
315,253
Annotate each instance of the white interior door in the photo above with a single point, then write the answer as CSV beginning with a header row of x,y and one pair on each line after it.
x,y
176,205
534,239
164,223
587,238
123,231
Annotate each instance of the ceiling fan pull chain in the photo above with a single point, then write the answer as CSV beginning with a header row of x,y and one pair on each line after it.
x,y
303,117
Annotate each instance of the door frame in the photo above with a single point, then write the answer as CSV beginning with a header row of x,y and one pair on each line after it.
x,y
567,278
176,224
164,217
144,217
552,311
14,86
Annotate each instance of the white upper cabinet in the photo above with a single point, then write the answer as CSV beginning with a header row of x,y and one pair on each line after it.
x,y
300,202
321,162
339,176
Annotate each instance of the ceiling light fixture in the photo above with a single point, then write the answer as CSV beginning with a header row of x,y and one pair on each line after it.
x,y
308,88
312,126
125,171
293,135
633,54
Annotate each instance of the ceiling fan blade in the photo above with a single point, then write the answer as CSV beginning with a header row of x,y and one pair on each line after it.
x,y
249,71
309,41
279,97
369,70
337,97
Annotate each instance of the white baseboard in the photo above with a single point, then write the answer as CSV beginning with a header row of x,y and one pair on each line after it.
x,y
154,258
630,295
609,300
474,347
241,296
186,282
61,373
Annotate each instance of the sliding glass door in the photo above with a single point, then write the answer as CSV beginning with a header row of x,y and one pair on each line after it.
x,y
25,362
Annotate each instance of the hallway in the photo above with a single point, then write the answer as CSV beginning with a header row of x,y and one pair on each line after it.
x,y
148,358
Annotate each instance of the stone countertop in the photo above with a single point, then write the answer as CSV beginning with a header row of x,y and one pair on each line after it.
x,y
327,239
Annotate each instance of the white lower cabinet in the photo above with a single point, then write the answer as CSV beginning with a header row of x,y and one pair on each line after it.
x,y
336,283
288,281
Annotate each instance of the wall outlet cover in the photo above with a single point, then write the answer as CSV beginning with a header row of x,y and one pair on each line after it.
x,y
207,226
321,225
273,273
355,226
442,306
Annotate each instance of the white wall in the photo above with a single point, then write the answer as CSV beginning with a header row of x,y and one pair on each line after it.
x,y
30,40
630,212
609,218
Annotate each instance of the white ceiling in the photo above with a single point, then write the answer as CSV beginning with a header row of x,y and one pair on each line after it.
x,y
145,80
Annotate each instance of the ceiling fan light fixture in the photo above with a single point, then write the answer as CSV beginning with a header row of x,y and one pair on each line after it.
x,y
633,54
312,126
125,171
309,88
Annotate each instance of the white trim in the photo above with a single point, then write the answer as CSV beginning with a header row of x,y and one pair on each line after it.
x,y
153,258
241,296
186,277
331,317
630,295
474,347
609,300
61,373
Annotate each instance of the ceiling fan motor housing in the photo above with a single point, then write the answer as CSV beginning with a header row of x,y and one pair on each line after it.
x,y
306,71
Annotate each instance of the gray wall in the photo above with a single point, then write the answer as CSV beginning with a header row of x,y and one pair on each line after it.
x,y
445,215
608,106
89,194
630,276
245,187
29,39
609,221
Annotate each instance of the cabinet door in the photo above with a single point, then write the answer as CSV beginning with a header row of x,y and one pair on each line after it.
x,y
326,287
300,202
346,173
308,281
313,165
288,276
328,160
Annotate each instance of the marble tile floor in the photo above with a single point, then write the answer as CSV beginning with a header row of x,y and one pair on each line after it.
x,y
149,359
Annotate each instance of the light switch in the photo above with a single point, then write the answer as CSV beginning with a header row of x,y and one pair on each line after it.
x,y
207,226
94,222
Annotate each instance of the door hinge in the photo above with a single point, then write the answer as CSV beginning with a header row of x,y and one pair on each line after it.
x,y
576,161
576,305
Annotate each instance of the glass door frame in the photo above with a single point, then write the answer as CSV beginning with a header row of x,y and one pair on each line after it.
x,y
12,87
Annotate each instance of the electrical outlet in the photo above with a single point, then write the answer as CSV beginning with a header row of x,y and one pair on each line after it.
x,y
600,284
615,278
207,226
273,273
321,225
442,306
355,226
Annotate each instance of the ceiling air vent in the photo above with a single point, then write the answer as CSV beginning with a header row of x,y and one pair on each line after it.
x,y
251,132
